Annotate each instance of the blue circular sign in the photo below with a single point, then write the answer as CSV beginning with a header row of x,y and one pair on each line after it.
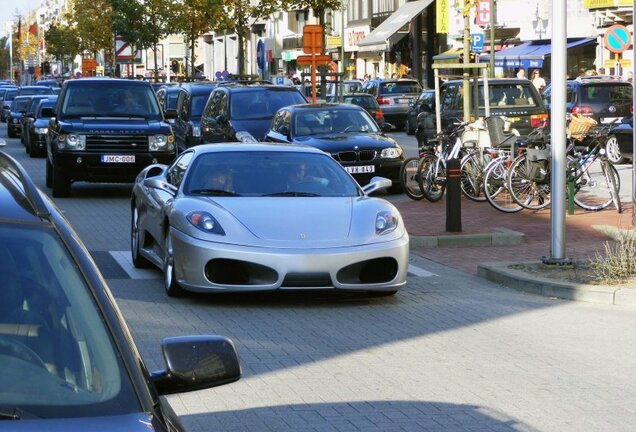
x,y
218,75
260,54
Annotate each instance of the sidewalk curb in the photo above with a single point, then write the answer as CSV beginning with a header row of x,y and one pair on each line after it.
x,y
499,237
521,281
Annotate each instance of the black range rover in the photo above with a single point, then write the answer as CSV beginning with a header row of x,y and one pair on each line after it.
x,y
105,130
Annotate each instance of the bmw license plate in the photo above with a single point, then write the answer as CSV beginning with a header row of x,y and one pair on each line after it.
x,y
360,169
404,100
117,159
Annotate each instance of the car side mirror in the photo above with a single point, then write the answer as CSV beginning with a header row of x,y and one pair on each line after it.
x,y
157,183
170,114
195,363
376,184
283,130
387,127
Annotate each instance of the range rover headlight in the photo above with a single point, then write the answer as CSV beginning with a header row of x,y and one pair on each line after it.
x,y
245,137
42,131
160,142
72,141
196,131
391,152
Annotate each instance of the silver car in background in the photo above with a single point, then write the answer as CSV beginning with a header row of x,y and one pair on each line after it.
x,y
394,96
258,217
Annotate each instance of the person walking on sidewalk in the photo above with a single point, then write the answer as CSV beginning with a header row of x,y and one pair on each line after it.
x,y
538,80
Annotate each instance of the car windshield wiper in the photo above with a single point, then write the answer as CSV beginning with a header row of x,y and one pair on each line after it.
x,y
291,194
219,192
16,414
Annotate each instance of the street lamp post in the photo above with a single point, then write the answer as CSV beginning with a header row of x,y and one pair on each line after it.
x,y
540,24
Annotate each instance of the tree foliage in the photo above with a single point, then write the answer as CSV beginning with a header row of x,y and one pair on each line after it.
x,y
92,19
62,42
194,18
141,23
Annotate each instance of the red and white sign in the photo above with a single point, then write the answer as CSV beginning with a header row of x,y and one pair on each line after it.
x,y
482,13
123,52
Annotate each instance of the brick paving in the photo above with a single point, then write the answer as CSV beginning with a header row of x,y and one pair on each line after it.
x,y
423,218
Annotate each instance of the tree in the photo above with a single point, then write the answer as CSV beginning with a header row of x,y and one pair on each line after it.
x,y
4,56
194,18
62,42
142,23
92,19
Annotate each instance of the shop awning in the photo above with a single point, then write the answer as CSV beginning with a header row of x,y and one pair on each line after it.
x,y
378,39
528,54
451,54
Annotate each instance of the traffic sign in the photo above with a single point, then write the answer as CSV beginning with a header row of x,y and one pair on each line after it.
x,y
617,39
477,42
305,60
260,54
312,39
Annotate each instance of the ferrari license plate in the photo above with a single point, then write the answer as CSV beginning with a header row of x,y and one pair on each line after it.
x,y
360,169
118,159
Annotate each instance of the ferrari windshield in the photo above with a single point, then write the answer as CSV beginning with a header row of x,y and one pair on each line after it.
x,y
268,173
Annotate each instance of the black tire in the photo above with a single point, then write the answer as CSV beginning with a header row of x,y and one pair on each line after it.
x,y
10,132
595,189
408,176
173,289
49,173
472,177
61,184
409,127
496,189
525,192
432,189
138,260
613,150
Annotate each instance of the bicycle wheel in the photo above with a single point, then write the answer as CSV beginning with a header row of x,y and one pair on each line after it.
x,y
594,189
429,173
472,176
525,192
408,175
495,187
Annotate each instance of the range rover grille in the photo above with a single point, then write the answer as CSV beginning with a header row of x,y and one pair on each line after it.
x,y
117,143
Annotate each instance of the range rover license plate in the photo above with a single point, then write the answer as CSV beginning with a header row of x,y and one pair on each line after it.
x,y
118,158
360,169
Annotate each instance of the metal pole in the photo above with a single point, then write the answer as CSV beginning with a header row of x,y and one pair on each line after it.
x,y
492,39
342,26
466,53
11,52
557,132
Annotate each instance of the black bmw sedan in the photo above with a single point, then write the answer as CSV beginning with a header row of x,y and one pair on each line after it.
x,y
345,131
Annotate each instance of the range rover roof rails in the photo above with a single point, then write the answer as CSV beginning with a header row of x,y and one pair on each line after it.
x,y
31,192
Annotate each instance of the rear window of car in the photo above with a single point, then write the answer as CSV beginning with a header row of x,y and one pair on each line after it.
x,y
364,102
198,103
400,87
261,105
10,94
20,104
35,91
508,95
606,93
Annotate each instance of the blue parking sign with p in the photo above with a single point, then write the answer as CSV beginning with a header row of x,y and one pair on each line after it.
x,y
477,42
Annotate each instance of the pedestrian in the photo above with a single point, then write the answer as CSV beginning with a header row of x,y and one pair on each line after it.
x,y
630,76
538,80
601,71
521,74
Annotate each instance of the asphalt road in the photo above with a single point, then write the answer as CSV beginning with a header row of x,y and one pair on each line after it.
x,y
449,352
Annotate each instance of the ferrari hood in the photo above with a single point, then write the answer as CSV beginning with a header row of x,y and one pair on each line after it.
x,y
312,220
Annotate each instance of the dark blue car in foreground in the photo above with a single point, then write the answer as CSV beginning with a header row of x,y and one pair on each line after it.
x,y
68,360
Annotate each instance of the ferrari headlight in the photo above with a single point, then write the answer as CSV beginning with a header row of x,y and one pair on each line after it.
x,y
42,131
385,222
245,137
72,141
391,152
196,131
205,222
160,142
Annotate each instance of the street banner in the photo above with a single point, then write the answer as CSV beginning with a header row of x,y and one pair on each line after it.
x,y
441,12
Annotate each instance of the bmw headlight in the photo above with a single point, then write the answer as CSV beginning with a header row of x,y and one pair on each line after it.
x,y
72,141
245,137
15,120
391,152
385,222
160,142
42,131
205,222
196,131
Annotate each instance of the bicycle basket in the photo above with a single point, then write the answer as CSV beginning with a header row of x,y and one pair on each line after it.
x,y
538,165
579,125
